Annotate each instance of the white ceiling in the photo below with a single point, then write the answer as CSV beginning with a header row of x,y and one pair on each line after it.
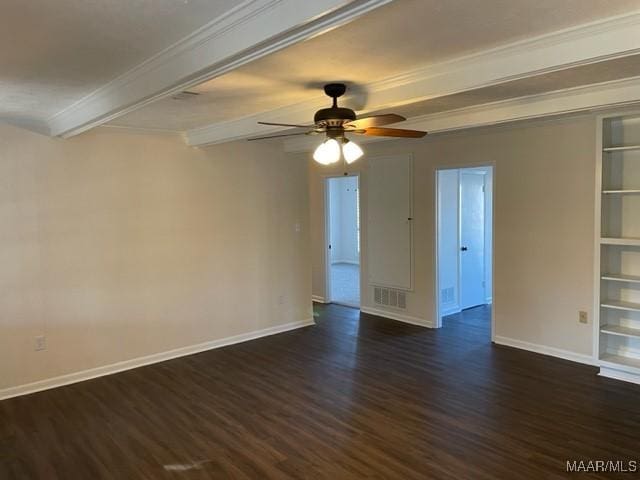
x,y
59,58
392,39
54,52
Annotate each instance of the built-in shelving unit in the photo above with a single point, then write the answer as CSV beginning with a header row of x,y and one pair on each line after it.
x,y
619,330
618,305
620,192
624,148
620,241
614,277
618,276
615,361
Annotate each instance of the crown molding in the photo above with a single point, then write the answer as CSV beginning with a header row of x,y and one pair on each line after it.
x,y
249,31
614,94
137,130
607,39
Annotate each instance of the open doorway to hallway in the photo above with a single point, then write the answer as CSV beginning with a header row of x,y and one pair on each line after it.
x,y
343,249
464,276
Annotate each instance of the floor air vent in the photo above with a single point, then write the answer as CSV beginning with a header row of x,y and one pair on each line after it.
x,y
389,297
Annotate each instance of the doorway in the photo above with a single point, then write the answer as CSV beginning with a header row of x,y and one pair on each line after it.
x,y
464,277
343,235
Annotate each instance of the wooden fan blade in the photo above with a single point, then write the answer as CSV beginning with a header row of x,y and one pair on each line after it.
x,y
285,125
280,135
376,121
394,132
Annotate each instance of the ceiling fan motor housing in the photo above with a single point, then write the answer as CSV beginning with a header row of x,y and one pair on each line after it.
x,y
334,116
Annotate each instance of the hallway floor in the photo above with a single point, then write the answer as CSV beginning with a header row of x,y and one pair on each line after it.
x,y
345,284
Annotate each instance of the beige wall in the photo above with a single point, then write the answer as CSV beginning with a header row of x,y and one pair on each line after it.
x,y
118,246
544,224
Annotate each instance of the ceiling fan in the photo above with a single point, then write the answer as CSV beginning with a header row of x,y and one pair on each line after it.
x,y
335,122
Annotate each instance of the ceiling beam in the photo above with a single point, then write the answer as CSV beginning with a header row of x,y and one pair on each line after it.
x,y
251,30
607,39
614,94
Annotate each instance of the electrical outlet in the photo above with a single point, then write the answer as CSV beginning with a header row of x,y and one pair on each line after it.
x,y
582,317
281,300
41,343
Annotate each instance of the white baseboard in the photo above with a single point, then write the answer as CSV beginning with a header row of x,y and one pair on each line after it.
x,y
318,299
147,360
545,350
400,317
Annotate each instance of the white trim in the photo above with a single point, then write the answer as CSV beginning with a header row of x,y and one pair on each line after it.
x,y
327,238
249,31
619,375
147,360
400,317
561,102
597,266
317,299
546,350
138,130
607,39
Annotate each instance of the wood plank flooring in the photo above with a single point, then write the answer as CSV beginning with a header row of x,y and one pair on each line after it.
x,y
356,396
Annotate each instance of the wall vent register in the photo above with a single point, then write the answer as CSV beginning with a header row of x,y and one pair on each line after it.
x,y
390,297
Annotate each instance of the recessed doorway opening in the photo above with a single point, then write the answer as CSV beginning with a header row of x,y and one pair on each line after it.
x,y
464,240
343,240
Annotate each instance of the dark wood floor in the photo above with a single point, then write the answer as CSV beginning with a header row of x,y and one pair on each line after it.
x,y
353,397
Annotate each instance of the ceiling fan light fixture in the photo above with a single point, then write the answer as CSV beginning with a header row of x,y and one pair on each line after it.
x,y
328,152
351,151
335,121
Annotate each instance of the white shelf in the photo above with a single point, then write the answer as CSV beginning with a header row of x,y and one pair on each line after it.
x,y
620,305
620,360
620,278
623,148
620,331
620,192
633,242
618,255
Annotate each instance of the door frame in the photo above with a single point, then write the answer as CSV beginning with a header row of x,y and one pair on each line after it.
x,y
327,237
436,270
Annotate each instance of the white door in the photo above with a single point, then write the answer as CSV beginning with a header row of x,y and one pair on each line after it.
x,y
472,288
